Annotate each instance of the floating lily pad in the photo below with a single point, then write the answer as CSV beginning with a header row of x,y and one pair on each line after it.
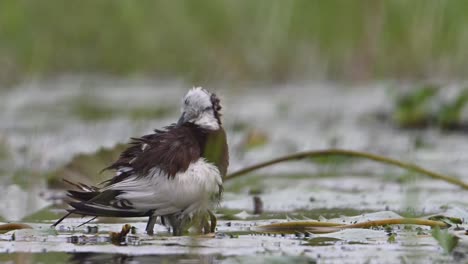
x,y
86,168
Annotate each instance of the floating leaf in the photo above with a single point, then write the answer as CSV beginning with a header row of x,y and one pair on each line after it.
x,y
328,227
86,167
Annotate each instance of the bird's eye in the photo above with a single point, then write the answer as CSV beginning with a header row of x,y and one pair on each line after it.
x,y
207,109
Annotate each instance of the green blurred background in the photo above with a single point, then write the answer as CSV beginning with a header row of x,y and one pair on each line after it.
x,y
235,40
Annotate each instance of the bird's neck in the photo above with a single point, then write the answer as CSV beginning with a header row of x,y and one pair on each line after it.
x,y
213,145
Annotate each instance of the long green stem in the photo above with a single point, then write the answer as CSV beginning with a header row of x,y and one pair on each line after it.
x,y
349,153
13,226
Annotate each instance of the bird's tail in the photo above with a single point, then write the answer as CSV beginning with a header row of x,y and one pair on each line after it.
x,y
91,201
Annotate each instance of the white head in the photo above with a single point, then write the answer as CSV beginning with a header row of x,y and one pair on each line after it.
x,y
201,108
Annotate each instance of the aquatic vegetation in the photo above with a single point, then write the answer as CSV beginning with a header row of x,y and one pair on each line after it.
x,y
5,155
423,108
449,116
447,220
22,177
255,138
348,40
318,213
235,239
446,240
43,257
4,150
349,153
86,167
42,215
13,226
149,112
414,109
293,227
89,109
300,191
239,126
322,241
392,238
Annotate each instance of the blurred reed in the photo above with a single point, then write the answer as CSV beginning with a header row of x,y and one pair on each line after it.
x,y
212,40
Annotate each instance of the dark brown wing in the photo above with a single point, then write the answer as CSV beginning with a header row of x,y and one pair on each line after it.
x,y
170,150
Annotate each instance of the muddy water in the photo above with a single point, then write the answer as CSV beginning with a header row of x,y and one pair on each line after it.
x,y
44,125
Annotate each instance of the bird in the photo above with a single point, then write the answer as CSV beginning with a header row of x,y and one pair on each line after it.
x,y
175,173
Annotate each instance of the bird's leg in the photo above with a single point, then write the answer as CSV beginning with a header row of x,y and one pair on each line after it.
x,y
174,221
200,223
213,221
205,224
184,224
179,223
150,225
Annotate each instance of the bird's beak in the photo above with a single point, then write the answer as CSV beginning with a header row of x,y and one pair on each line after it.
x,y
181,120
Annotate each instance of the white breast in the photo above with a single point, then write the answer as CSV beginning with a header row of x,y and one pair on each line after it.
x,y
190,191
